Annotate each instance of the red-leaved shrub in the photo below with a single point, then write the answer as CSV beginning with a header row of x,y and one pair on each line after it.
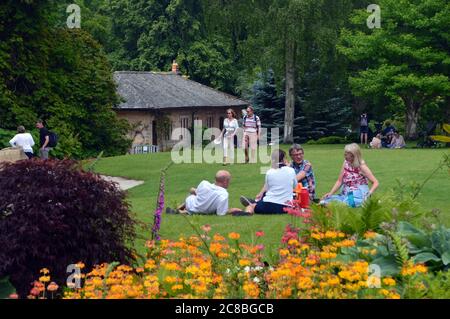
x,y
53,214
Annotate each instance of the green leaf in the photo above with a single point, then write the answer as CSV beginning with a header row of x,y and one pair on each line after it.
x,y
446,258
388,265
415,236
5,288
425,257
440,240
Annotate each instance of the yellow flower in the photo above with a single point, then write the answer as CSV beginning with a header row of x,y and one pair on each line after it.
x,y
410,269
44,279
150,264
304,283
177,287
171,266
284,252
310,261
251,289
222,255
317,236
293,242
170,279
305,247
327,255
333,281
44,271
244,262
370,234
389,281
234,236
330,234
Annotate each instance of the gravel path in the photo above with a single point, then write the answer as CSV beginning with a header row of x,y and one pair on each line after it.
x,y
124,183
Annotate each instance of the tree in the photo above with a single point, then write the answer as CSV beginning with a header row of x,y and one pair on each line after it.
x,y
268,103
60,75
406,60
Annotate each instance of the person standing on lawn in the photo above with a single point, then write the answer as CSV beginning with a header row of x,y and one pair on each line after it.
x,y
23,140
363,128
44,139
252,130
230,126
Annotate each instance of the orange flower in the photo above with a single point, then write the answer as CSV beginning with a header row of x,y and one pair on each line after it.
x,y
234,236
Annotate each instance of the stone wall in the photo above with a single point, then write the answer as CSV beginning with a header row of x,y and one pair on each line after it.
x,y
143,121
12,154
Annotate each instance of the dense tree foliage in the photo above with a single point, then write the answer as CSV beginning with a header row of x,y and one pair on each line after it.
x,y
406,60
310,67
60,75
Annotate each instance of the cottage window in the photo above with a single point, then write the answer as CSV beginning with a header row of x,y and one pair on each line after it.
x,y
210,121
184,122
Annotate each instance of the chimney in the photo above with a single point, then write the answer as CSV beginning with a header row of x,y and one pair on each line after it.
x,y
175,67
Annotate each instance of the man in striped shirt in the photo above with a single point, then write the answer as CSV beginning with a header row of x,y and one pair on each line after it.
x,y
252,129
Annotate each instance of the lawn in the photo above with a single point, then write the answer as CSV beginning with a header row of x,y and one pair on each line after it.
x,y
387,165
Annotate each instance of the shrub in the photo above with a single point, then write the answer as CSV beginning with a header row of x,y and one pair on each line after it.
x,y
53,214
329,140
5,137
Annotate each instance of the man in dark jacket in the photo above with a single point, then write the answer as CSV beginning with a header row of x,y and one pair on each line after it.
x,y
44,138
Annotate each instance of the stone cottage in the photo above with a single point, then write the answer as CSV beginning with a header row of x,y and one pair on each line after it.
x,y
155,103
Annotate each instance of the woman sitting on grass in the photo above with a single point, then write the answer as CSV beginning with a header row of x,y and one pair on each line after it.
x,y
354,178
277,190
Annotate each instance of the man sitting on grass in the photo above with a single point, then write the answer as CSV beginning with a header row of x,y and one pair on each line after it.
x,y
303,170
208,198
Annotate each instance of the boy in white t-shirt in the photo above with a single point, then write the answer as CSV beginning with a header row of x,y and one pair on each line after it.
x,y
23,140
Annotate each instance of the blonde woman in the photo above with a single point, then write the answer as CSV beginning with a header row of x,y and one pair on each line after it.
x,y
230,126
353,178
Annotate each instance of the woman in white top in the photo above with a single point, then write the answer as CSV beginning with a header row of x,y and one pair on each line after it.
x,y
23,140
230,126
277,192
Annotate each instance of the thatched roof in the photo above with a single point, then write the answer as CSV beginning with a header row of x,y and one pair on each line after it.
x,y
153,90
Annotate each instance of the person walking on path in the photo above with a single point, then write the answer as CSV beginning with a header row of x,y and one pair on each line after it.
x,y
252,130
23,140
44,139
230,126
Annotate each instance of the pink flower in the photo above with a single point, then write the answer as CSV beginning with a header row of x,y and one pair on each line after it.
x,y
259,233
35,292
13,296
290,233
206,228
260,247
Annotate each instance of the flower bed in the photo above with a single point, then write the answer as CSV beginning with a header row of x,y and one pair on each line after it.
x,y
220,267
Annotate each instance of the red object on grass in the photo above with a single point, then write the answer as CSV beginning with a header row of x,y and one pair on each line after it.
x,y
304,198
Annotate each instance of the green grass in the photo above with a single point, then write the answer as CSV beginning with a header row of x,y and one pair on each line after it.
x,y
387,165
